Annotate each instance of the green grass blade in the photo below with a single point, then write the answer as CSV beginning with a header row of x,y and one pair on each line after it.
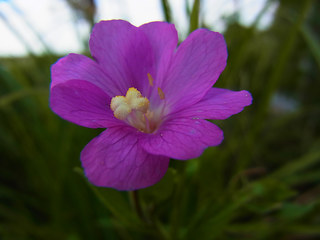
x,y
194,17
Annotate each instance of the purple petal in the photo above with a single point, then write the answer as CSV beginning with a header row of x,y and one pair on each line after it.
x,y
124,52
115,159
182,138
75,66
82,103
196,66
219,104
163,38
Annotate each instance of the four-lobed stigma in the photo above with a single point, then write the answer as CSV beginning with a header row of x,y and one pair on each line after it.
x,y
134,109
122,106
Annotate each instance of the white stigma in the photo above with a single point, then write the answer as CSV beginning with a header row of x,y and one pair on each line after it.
x,y
135,110
122,106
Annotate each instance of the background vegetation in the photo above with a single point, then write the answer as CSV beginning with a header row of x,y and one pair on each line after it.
x,y
263,182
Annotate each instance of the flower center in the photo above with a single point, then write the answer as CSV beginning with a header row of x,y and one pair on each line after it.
x,y
134,109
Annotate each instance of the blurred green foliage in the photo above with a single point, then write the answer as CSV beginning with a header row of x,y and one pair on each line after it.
x,y
263,182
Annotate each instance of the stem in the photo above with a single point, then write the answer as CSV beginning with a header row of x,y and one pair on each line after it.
x,y
134,196
160,233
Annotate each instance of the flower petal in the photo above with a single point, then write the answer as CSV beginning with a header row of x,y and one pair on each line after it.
x,y
82,103
196,66
115,159
124,52
219,104
163,38
182,138
76,66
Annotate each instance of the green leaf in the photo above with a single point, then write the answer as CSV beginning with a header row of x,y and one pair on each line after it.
x,y
115,202
194,17
312,42
293,211
298,165
166,10
269,195
162,190
17,95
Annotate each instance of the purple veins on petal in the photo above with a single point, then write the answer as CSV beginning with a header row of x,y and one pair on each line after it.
x,y
195,67
115,159
124,52
82,103
183,138
219,104
79,67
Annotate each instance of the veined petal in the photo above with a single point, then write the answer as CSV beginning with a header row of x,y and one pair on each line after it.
x,y
182,138
82,103
219,104
163,39
115,159
196,66
124,52
76,66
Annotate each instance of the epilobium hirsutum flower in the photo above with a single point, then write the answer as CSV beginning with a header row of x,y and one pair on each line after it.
x,y
152,96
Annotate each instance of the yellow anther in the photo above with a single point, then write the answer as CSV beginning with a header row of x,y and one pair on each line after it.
x,y
161,93
150,79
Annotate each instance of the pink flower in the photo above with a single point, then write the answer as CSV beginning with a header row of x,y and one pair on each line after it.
x,y
152,97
